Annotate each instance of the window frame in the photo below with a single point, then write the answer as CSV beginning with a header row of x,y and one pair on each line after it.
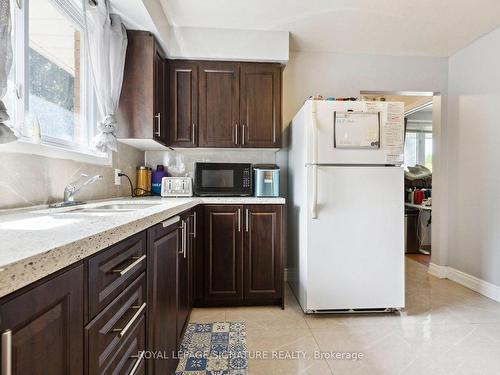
x,y
50,146
420,144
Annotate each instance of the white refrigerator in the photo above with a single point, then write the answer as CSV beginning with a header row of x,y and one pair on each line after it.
x,y
346,206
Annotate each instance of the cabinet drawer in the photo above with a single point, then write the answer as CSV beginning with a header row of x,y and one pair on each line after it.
x,y
111,271
117,334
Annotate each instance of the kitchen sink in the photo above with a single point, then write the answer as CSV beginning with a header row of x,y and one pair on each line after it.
x,y
110,208
123,206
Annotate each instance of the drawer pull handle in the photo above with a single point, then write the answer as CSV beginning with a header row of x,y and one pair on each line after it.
x,y
7,352
171,221
123,331
136,364
131,265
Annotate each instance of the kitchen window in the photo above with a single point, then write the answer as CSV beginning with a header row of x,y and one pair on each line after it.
x,y
50,79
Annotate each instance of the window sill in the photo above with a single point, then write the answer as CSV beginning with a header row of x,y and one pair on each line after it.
x,y
26,146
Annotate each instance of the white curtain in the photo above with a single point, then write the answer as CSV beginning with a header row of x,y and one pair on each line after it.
x,y
6,134
107,43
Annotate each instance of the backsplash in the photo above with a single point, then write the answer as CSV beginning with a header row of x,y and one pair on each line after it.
x,y
181,162
28,180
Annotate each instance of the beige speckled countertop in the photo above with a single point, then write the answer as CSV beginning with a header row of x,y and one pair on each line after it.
x,y
39,241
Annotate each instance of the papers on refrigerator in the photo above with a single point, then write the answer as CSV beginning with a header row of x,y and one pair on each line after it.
x,y
357,130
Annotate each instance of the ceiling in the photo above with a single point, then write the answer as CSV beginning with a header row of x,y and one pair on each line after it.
x,y
391,27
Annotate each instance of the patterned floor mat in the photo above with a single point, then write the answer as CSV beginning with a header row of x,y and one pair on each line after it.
x,y
214,349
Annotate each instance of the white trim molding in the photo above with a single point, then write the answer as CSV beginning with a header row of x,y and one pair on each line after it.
x,y
482,287
437,271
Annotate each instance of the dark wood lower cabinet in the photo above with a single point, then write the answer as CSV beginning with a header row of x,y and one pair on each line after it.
x,y
140,297
243,261
115,338
164,244
262,258
45,326
183,276
223,257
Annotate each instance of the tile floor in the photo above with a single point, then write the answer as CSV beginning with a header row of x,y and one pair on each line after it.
x,y
445,329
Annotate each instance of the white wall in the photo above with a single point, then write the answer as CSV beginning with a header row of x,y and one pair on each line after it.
x,y
231,45
474,154
333,74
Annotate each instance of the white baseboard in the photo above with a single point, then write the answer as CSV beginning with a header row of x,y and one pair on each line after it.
x,y
438,271
482,287
287,277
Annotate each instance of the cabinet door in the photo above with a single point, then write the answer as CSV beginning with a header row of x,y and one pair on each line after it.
x,y
183,275
262,252
161,122
219,104
45,325
138,105
163,244
260,105
223,253
183,103
198,262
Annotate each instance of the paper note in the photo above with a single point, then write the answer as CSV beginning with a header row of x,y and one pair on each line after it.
x,y
357,130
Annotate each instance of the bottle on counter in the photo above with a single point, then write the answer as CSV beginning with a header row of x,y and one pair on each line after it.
x,y
156,179
143,186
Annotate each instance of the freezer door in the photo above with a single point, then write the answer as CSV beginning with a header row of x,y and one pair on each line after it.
x,y
321,135
355,252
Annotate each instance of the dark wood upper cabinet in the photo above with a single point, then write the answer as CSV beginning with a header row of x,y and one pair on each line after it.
x,y
163,246
262,256
223,252
219,104
233,105
46,326
183,124
260,105
142,107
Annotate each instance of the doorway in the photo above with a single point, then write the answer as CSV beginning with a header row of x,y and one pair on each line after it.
x,y
419,149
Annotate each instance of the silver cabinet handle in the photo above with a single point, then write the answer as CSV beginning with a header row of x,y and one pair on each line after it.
x,y
123,331
171,221
194,134
130,266
235,134
136,364
243,134
239,220
7,352
184,240
183,231
194,224
158,116
246,220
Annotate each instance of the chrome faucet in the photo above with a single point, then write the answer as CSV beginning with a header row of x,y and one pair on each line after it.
x,y
73,188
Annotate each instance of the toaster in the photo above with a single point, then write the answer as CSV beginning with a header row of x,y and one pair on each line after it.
x,y
176,187
266,180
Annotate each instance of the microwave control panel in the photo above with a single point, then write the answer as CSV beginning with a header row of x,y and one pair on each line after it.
x,y
246,178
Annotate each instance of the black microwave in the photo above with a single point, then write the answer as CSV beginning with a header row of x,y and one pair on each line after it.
x,y
223,179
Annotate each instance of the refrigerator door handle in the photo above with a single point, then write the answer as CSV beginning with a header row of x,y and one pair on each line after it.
x,y
314,186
